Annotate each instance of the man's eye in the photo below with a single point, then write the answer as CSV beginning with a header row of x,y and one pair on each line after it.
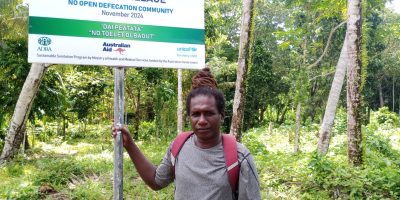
x,y
209,113
195,114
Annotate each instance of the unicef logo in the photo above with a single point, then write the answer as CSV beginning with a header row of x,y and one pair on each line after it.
x,y
44,41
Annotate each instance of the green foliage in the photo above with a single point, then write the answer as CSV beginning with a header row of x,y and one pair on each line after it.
x,y
81,168
257,98
384,116
379,177
90,190
14,68
222,28
379,39
340,126
165,108
289,35
147,130
86,86
13,71
14,20
364,50
3,129
13,54
384,119
253,143
341,180
57,172
380,146
308,175
51,99
78,169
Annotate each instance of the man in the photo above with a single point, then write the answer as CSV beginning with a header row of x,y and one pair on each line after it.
x,y
200,171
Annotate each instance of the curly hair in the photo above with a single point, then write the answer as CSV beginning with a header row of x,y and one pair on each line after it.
x,y
204,83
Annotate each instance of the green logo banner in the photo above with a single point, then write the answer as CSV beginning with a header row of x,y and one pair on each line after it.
x,y
110,30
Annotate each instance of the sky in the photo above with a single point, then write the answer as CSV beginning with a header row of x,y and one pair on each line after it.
x,y
395,5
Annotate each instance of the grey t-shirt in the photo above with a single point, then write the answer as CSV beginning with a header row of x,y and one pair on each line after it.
x,y
202,174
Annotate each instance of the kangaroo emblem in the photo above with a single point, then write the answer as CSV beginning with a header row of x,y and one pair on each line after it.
x,y
120,50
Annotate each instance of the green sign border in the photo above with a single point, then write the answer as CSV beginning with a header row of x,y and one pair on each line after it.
x,y
95,29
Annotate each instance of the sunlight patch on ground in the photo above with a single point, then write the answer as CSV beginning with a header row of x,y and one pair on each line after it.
x,y
338,140
393,135
105,155
25,184
64,148
278,141
29,170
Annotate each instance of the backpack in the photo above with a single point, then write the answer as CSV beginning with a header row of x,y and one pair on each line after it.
x,y
230,154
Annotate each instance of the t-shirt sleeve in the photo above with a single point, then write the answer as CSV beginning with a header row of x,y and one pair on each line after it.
x,y
249,185
164,174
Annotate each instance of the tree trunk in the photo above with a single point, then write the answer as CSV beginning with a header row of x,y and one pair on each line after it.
x,y
262,113
136,123
243,62
393,93
278,111
180,106
369,115
64,125
283,115
15,132
270,128
354,82
381,102
25,143
297,137
333,99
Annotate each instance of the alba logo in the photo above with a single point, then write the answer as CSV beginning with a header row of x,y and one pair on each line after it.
x,y
44,41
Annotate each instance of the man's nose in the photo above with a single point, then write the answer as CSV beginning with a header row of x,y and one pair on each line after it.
x,y
202,120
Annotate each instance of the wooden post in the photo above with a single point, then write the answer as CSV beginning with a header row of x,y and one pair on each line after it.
x,y
180,106
119,121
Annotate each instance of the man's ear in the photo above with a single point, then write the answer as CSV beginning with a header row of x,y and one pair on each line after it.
x,y
222,117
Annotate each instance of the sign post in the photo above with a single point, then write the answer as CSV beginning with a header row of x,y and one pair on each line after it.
x,y
119,121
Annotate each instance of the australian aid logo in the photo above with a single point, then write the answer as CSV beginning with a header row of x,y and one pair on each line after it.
x,y
44,43
118,48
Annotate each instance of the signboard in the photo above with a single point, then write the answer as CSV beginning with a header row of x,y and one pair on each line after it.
x,y
137,33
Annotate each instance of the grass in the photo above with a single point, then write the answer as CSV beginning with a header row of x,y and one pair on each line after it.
x,y
82,168
76,169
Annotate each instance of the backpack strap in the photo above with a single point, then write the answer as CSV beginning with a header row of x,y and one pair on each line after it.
x,y
231,159
177,146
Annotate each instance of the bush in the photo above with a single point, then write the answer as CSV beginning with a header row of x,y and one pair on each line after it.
x,y
29,192
340,126
146,130
254,145
1,143
3,130
384,118
378,178
57,172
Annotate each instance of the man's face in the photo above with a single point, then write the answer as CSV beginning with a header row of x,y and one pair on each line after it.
x,y
204,117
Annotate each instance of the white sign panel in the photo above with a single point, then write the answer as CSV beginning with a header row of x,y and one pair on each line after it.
x,y
137,33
